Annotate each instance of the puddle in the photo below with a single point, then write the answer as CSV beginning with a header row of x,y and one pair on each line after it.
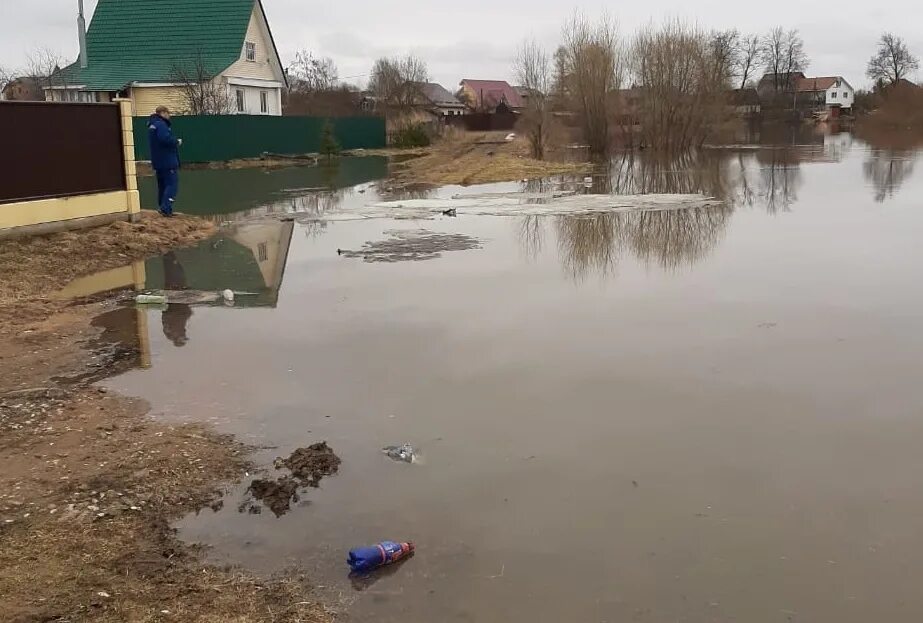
x,y
699,414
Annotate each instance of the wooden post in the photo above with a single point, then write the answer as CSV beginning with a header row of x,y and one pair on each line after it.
x,y
131,171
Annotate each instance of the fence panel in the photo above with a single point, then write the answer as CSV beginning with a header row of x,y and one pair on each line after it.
x,y
485,122
59,150
212,138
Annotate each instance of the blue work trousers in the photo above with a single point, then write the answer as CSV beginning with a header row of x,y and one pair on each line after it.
x,y
167,189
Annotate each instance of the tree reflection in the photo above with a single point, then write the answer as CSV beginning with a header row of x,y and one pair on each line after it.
x,y
669,238
587,244
886,170
688,172
780,178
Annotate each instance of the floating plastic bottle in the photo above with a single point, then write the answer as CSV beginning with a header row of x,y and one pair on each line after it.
x,y
364,560
151,299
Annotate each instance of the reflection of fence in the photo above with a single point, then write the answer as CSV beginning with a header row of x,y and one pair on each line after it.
x,y
65,162
485,122
212,138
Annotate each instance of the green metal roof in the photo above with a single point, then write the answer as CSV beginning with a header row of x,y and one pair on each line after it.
x,y
146,40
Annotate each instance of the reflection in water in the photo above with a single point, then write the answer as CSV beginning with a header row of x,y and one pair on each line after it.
x,y
669,238
685,173
176,316
247,257
887,170
531,235
779,179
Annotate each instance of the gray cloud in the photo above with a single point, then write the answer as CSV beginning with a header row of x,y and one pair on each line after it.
x,y
478,38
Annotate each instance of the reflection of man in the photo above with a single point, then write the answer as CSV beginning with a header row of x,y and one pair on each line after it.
x,y
177,315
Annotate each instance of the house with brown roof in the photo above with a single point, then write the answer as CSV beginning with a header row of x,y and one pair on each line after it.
x,y
489,95
830,92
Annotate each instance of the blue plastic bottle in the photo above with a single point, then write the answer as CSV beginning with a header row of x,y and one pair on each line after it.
x,y
364,560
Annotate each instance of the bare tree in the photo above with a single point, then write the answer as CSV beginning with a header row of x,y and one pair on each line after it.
x,y
6,77
593,73
893,61
783,54
533,71
315,89
309,73
749,51
683,75
722,51
203,93
397,82
44,65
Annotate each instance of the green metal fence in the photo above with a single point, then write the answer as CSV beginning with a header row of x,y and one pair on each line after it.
x,y
214,138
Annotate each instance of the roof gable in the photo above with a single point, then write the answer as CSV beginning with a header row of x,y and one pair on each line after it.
x,y
820,83
438,95
494,92
144,40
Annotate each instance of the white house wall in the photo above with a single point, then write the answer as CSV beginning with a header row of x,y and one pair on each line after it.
x,y
261,74
252,99
845,102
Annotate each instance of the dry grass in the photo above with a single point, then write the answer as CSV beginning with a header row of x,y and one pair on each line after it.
x,y
89,484
39,265
479,158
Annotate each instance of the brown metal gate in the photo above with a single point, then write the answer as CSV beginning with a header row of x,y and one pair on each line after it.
x,y
59,150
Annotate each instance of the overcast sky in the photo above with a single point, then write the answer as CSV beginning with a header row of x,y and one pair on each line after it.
x,y
478,38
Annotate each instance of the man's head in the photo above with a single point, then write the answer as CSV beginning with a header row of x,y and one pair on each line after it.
x,y
163,111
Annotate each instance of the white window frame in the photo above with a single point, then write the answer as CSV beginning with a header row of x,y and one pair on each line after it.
x,y
240,98
250,51
264,102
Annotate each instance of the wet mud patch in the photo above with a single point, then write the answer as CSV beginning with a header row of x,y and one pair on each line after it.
x,y
412,245
308,466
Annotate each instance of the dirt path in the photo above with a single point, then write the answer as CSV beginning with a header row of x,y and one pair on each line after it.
x,y
88,483
479,158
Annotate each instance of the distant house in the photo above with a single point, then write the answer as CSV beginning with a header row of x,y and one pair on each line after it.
x,y
830,92
26,88
133,49
439,101
772,84
488,95
746,102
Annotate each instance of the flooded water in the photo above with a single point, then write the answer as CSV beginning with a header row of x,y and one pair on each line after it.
x,y
711,414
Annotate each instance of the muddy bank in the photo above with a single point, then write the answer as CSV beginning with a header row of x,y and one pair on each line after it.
x,y
478,158
31,269
88,483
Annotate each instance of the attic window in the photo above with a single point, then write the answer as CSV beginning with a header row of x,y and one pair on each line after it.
x,y
250,51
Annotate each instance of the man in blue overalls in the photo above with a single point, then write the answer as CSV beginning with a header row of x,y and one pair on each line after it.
x,y
164,158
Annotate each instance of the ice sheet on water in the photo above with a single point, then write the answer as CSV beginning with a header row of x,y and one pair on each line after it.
x,y
523,204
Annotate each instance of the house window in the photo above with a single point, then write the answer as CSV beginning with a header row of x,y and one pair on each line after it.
x,y
264,102
239,93
262,252
833,95
250,51
845,95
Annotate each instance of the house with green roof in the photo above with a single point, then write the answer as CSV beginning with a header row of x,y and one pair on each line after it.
x,y
153,52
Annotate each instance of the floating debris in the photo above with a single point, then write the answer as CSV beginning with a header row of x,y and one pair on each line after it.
x,y
400,453
412,245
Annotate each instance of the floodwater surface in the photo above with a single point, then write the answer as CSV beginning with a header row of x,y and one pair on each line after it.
x,y
710,414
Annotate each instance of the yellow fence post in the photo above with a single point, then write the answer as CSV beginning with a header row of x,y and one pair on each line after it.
x,y
131,171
